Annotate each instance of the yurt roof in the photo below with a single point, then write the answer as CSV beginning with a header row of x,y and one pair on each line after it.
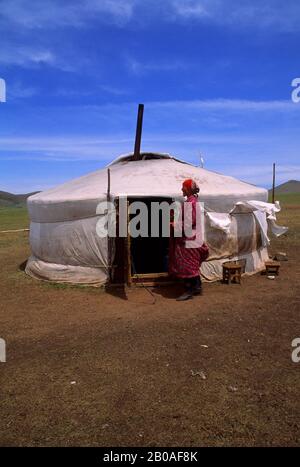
x,y
154,174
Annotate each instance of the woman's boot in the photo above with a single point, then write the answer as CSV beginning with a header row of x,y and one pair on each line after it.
x,y
188,293
197,286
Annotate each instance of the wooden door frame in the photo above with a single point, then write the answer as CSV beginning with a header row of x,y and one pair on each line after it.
x,y
124,257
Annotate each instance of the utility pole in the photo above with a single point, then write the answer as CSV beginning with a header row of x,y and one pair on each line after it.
x,y
273,186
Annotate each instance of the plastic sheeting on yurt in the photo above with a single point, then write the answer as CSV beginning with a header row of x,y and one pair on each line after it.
x,y
66,248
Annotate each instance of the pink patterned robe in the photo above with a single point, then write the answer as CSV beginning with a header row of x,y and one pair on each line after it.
x,y
185,262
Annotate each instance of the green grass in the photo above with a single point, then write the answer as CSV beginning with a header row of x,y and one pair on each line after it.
x,y
289,216
287,199
12,218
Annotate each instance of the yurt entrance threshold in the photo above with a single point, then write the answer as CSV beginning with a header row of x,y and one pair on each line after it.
x,y
140,260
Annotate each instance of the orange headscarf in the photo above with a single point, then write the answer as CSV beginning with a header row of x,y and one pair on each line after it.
x,y
188,183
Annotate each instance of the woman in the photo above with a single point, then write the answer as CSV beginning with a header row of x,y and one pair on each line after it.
x,y
184,261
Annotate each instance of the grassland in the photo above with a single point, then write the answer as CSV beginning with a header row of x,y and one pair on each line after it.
x,y
287,199
12,218
290,217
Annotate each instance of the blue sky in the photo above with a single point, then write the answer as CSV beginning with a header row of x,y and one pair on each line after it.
x,y
215,77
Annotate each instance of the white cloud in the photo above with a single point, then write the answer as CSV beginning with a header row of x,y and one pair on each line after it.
x,y
121,10
57,148
191,8
35,56
268,132
228,104
17,90
113,90
283,15
261,174
25,56
53,13
22,17
237,156
278,14
139,68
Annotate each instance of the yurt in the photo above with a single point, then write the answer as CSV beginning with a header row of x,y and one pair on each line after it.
x,y
66,247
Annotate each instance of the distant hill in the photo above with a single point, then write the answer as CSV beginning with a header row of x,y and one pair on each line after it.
x,y
9,199
292,186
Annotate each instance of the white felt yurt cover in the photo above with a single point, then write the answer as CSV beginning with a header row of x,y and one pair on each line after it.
x,y
64,243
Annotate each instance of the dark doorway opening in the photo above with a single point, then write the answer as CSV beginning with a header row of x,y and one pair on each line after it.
x,y
142,259
149,255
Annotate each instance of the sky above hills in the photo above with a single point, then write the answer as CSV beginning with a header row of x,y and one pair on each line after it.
x,y
215,77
